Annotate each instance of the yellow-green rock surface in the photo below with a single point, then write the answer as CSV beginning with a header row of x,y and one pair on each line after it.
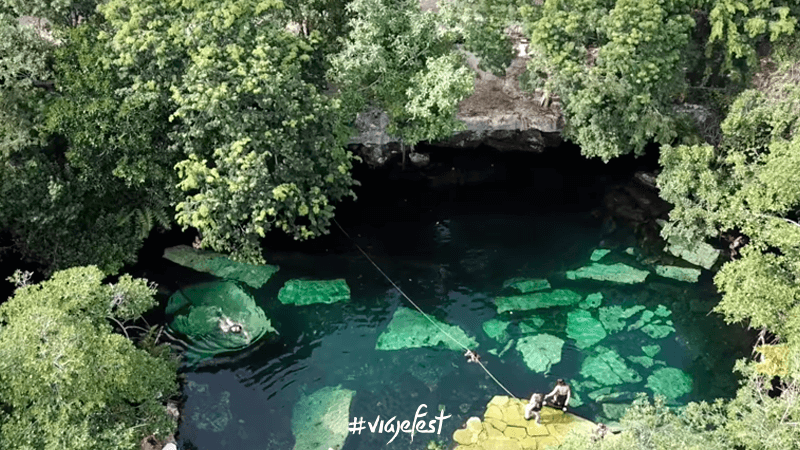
x,y
504,427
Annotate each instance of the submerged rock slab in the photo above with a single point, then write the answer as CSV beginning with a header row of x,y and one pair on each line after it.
x,y
608,368
618,273
207,312
527,285
410,329
651,350
540,352
658,331
697,253
613,317
220,265
504,427
645,318
585,329
592,301
670,382
531,325
319,420
679,273
307,292
537,300
599,253
496,329
644,361
208,412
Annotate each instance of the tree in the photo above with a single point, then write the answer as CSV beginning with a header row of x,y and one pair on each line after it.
x,y
395,58
66,380
261,146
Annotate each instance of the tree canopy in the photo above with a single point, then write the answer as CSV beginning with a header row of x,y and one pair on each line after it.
x,y
66,379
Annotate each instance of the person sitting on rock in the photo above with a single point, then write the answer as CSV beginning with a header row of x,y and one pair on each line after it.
x,y
560,396
472,356
533,408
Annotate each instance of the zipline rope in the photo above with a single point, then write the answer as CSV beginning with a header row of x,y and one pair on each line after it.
x,y
419,309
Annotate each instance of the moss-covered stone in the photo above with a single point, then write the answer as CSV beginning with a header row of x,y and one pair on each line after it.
x,y
592,301
657,331
670,382
513,432
679,273
614,411
618,273
319,420
662,311
697,253
651,350
208,411
599,253
608,368
531,325
585,329
613,317
644,361
220,265
496,329
527,285
307,292
410,329
540,352
645,318
537,300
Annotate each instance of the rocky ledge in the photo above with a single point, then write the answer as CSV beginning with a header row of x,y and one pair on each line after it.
x,y
504,428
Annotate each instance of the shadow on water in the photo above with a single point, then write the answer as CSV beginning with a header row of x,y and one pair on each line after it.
x,y
450,249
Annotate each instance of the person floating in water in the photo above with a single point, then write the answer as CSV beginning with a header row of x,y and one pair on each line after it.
x,y
559,397
229,326
533,408
472,356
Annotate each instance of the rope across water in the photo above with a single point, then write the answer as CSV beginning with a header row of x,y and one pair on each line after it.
x,y
419,309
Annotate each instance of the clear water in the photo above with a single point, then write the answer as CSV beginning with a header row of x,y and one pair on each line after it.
x,y
451,255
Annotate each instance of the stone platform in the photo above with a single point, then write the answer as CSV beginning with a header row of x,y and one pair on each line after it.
x,y
504,427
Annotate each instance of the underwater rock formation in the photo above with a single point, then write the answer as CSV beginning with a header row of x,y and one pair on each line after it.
x,y
678,273
220,265
618,273
208,412
525,285
592,301
319,420
608,368
697,253
496,329
540,352
537,300
585,329
670,382
613,317
599,253
307,292
410,329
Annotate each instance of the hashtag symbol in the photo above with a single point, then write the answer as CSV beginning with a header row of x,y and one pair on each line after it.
x,y
356,425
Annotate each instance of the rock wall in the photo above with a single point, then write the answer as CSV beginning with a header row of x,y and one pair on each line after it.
x,y
498,114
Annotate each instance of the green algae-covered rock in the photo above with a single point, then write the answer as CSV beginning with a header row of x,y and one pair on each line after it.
x,y
618,273
540,352
496,329
220,265
537,300
307,292
697,253
585,329
670,382
645,318
531,325
678,273
651,350
613,317
615,411
205,312
608,368
630,251
410,329
644,361
657,331
319,420
592,301
599,253
662,311
526,285
594,395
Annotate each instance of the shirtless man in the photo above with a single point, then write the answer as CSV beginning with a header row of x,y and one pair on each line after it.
x,y
559,398
533,408
472,356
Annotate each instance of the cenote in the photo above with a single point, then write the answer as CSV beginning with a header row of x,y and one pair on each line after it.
x,y
450,246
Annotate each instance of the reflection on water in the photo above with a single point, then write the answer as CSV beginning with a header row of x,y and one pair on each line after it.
x,y
452,269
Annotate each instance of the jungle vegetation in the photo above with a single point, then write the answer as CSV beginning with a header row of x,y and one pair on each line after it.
x,y
231,117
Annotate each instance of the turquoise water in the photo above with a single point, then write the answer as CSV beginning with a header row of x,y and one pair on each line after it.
x,y
451,254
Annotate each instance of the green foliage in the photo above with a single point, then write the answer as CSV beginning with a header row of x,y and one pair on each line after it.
x,y
396,58
738,26
617,66
481,26
67,381
95,176
264,147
